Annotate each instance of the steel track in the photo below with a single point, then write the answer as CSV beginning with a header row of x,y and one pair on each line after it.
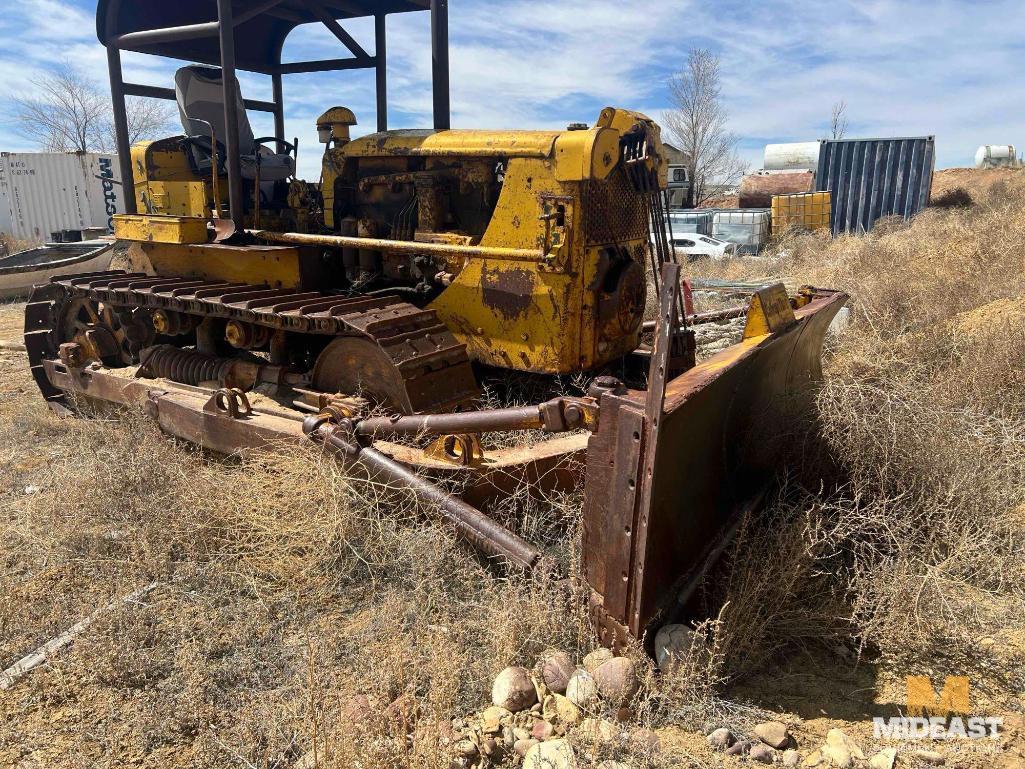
x,y
430,360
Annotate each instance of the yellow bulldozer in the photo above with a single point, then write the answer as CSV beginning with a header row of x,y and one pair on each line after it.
x,y
366,310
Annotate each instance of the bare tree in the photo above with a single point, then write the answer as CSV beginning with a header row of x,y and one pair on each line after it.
x,y
147,119
700,124
68,112
839,120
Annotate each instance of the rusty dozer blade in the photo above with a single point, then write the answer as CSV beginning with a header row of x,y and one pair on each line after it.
x,y
671,469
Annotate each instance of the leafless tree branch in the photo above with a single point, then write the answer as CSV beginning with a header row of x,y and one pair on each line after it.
x,y
838,123
67,112
700,124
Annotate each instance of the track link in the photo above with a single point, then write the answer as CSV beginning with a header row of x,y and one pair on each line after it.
x,y
431,361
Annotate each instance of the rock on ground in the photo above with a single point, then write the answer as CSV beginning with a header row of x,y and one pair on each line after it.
x,y
514,690
839,751
598,657
672,642
598,730
560,709
774,734
556,667
884,759
522,747
491,719
762,754
616,680
930,757
554,754
739,748
581,689
720,739
541,731
465,749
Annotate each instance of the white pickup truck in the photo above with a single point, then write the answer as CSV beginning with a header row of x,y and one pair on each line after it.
x,y
696,246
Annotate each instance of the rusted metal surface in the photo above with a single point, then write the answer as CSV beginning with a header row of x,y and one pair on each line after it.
x,y
695,464
711,316
508,292
461,449
194,368
556,415
758,189
225,420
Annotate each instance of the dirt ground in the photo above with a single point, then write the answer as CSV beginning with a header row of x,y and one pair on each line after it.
x,y
283,594
976,181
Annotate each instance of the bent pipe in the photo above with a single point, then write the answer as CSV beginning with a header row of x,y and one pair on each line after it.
x,y
483,533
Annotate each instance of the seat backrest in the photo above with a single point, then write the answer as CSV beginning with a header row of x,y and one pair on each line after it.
x,y
199,93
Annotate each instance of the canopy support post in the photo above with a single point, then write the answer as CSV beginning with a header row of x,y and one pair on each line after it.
x,y
124,149
279,105
228,84
381,60
439,51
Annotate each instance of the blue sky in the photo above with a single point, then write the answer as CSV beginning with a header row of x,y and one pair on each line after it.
x,y
951,69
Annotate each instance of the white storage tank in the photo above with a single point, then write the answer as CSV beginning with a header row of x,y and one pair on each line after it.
x,y
793,156
996,156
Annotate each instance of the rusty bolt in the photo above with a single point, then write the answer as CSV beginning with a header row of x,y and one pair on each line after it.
x,y
71,355
574,415
238,334
161,322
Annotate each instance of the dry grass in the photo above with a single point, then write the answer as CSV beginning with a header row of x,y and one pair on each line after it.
x,y
284,591
12,245
918,551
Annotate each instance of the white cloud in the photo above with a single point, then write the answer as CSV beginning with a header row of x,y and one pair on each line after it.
x,y
905,67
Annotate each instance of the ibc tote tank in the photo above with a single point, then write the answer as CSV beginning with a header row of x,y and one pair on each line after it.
x,y
794,156
995,155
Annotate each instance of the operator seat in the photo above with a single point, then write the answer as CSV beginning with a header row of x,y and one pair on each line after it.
x,y
201,104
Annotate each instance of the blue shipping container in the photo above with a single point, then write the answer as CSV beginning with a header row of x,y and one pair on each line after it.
x,y
872,178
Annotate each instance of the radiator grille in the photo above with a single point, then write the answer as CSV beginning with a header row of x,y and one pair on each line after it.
x,y
614,212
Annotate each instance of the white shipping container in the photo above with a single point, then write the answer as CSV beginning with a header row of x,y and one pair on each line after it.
x,y
45,192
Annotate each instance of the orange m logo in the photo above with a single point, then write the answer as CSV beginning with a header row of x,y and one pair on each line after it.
x,y
922,699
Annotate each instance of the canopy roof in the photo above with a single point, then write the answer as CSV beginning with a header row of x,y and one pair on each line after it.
x,y
260,29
